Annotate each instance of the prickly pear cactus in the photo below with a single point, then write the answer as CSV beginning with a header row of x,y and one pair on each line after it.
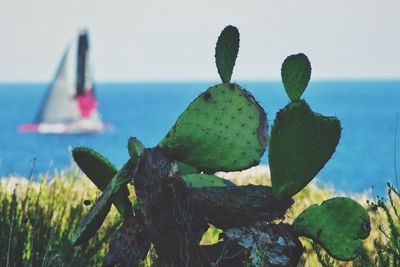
x,y
185,169
338,225
109,180
300,145
296,73
135,148
204,180
100,171
301,141
226,52
98,212
96,167
224,128
93,220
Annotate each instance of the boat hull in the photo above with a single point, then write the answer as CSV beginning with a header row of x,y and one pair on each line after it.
x,y
75,127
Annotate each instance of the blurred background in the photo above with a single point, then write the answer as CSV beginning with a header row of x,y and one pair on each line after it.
x,y
151,58
174,40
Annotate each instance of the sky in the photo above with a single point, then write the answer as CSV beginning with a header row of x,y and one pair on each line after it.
x,y
174,40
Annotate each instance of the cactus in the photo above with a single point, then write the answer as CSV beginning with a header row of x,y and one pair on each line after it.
x,y
204,180
222,129
100,171
225,129
94,219
96,167
303,140
296,73
226,52
135,148
337,225
185,169
98,212
300,138
113,184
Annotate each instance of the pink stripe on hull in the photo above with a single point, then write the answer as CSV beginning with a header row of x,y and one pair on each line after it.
x,y
28,128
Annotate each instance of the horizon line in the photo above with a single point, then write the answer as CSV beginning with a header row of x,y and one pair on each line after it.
x,y
167,81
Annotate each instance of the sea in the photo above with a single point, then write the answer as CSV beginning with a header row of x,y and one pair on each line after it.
x,y
366,158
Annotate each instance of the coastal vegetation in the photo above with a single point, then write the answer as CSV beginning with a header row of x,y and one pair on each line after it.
x,y
177,195
38,219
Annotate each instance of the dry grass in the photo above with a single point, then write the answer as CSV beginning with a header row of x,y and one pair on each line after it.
x,y
65,192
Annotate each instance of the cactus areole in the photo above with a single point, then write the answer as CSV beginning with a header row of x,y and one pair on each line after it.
x,y
178,195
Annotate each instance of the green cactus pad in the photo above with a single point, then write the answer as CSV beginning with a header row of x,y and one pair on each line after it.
x,y
98,212
205,180
100,171
226,52
184,169
296,73
94,219
135,148
337,225
96,167
300,145
222,129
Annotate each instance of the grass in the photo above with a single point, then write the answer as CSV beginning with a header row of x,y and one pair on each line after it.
x,y
37,221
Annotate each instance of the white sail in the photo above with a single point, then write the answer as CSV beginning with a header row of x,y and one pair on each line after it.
x,y
59,104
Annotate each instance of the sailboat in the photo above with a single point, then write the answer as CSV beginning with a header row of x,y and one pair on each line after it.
x,y
70,105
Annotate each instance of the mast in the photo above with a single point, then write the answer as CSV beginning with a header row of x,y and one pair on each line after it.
x,y
82,62
84,94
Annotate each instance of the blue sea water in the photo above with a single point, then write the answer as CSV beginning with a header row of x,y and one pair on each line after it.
x,y
364,157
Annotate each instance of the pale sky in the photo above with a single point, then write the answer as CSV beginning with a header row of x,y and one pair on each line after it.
x,y
173,40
